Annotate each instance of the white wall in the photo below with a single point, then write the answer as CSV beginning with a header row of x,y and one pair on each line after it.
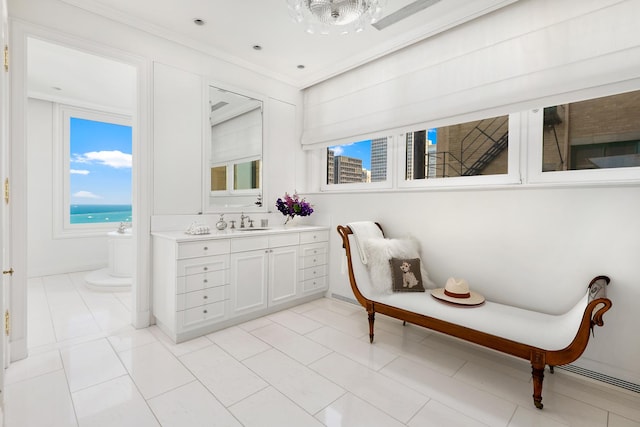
x,y
528,243
47,255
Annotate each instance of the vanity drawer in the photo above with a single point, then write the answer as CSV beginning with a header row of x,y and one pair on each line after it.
x,y
314,272
319,283
202,265
243,244
196,282
313,260
202,297
287,239
314,236
204,314
203,248
313,249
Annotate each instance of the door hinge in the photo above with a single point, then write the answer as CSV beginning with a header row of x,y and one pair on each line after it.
x,y
6,190
6,58
7,323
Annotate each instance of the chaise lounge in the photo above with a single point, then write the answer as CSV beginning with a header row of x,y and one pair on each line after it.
x,y
541,338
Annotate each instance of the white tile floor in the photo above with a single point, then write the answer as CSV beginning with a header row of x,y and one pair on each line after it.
x,y
311,365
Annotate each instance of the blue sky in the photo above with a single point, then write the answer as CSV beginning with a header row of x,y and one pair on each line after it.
x,y
100,163
362,149
358,150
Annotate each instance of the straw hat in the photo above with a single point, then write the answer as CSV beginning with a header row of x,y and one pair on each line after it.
x,y
457,291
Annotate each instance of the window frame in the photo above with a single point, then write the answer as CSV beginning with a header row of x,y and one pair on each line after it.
x,y
535,174
361,186
230,175
513,166
62,227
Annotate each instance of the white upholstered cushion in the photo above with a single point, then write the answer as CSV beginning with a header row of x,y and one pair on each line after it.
x,y
545,331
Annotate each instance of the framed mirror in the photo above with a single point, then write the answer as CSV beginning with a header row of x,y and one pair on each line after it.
x,y
234,164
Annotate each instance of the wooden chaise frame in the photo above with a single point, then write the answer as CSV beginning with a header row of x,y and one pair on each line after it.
x,y
538,357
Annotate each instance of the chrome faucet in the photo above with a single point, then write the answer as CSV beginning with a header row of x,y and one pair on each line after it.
x,y
242,218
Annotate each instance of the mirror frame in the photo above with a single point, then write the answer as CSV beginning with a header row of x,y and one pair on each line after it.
x,y
207,198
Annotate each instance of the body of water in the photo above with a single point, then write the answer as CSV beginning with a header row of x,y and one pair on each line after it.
x,y
83,214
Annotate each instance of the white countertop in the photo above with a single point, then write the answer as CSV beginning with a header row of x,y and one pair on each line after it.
x,y
181,236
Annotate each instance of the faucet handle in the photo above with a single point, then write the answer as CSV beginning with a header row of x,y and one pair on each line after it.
x,y
250,223
233,224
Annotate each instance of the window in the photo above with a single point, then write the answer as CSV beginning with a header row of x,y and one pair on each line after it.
x,y
482,151
236,177
246,175
467,149
93,169
594,139
597,133
362,164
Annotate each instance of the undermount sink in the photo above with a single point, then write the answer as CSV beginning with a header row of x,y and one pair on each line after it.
x,y
252,229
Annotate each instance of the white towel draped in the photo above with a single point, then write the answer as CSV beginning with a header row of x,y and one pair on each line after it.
x,y
364,230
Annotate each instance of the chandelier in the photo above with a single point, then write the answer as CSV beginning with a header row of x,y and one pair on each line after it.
x,y
335,16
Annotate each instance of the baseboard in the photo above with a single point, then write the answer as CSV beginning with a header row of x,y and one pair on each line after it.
x,y
18,350
142,319
627,385
345,299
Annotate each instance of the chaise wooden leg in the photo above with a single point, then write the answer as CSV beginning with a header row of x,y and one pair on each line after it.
x,y
538,376
551,370
404,323
372,318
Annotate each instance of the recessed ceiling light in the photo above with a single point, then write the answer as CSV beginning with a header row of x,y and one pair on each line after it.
x,y
257,47
300,67
199,21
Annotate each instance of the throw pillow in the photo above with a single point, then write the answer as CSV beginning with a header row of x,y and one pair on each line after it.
x,y
380,250
405,275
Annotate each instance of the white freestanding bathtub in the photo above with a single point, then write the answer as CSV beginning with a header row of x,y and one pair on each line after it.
x,y
118,274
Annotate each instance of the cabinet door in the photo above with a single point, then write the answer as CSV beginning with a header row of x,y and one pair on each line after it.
x,y
249,281
283,274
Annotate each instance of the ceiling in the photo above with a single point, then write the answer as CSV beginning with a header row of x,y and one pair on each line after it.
x,y
69,76
233,27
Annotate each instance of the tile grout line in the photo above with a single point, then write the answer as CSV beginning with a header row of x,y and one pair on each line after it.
x,y
128,374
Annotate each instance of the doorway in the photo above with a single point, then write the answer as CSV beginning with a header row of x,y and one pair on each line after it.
x,y
58,252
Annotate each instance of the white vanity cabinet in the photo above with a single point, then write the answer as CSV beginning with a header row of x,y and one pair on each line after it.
x,y
249,275
283,268
205,283
313,261
190,284
264,271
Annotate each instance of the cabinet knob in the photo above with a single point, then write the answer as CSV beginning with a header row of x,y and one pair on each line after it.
x,y
204,311
206,268
205,297
206,248
315,237
315,260
205,281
